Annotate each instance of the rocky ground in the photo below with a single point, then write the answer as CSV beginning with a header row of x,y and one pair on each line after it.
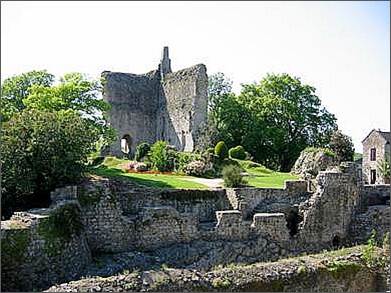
x,y
346,270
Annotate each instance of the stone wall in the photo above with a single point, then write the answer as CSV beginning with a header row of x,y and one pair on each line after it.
x,y
327,272
374,195
185,93
41,247
251,200
327,214
198,228
134,101
376,218
169,106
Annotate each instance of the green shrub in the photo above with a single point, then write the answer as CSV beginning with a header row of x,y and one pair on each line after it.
x,y
162,156
237,152
210,150
41,151
221,150
141,151
232,176
182,159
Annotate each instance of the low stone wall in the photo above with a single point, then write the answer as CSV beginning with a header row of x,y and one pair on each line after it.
x,y
376,218
248,199
203,203
371,195
41,247
342,272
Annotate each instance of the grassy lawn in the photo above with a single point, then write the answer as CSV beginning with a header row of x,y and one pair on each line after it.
x,y
260,176
113,167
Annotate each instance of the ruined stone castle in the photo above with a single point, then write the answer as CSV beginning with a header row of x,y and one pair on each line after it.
x,y
114,225
158,105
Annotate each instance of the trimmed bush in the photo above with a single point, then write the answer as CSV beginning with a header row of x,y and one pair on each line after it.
x,y
237,152
210,150
162,156
221,150
232,176
141,151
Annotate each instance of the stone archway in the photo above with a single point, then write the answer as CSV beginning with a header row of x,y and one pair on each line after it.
x,y
126,143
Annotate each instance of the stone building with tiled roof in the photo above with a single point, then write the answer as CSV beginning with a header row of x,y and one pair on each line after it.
x,y
376,147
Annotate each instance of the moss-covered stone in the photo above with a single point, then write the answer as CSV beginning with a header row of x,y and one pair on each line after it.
x,y
60,226
341,269
14,246
88,198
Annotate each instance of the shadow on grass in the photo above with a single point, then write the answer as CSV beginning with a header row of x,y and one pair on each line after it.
x,y
119,174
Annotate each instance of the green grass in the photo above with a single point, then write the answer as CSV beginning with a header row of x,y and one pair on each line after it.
x,y
112,168
260,176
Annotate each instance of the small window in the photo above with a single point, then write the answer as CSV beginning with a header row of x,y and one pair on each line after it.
x,y
373,154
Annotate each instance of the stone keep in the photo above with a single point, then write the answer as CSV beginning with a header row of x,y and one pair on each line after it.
x,y
158,105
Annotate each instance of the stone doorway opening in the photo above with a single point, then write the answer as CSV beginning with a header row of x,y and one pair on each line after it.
x,y
126,143
293,219
373,176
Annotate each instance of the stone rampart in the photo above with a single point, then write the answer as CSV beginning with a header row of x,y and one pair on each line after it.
x,y
41,247
251,200
186,228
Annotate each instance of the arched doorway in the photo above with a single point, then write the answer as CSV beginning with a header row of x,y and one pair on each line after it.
x,y
126,143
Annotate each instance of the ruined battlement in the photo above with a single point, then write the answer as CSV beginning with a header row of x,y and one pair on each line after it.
x,y
159,105
185,228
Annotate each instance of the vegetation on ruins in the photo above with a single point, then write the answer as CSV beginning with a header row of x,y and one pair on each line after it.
x,y
41,150
342,146
47,133
384,168
232,176
274,119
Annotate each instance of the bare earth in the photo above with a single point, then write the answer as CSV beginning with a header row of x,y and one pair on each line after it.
x,y
211,183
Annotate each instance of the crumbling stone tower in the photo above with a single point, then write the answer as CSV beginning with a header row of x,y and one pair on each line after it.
x,y
158,105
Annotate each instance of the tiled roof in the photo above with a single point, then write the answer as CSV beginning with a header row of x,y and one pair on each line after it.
x,y
386,135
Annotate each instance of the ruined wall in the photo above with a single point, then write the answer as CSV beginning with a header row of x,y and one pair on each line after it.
x,y
134,101
327,214
159,105
343,271
41,247
252,200
185,94
198,228
376,218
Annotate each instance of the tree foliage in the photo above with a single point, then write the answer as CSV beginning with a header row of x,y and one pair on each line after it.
x,y
274,120
342,145
41,150
17,88
36,90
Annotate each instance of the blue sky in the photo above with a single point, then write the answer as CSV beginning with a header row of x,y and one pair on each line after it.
x,y
341,48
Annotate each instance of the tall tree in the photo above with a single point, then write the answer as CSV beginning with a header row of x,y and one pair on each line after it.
x,y
274,119
292,115
17,88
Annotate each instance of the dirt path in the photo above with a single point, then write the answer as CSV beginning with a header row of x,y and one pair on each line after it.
x,y
211,183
